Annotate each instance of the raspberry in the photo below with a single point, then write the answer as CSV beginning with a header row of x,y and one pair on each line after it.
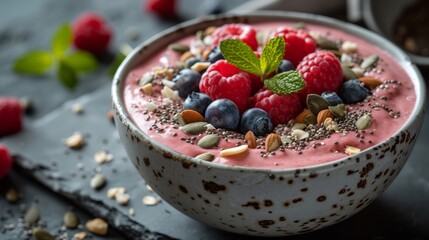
x,y
91,33
223,80
162,8
243,32
281,108
5,161
298,43
11,115
322,72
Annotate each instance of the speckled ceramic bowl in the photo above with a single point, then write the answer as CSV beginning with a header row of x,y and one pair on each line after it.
x,y
266,202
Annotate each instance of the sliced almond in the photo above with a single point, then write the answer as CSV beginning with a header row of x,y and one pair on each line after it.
x,y
191,116
209,141
250,139
234,151
352,150
147,89
371,82
323,115
185,56
272,142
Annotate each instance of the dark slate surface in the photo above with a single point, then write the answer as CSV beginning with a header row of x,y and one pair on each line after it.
x,y
400,213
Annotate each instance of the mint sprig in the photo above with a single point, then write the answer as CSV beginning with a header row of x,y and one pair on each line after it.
x,y
242,56
68,64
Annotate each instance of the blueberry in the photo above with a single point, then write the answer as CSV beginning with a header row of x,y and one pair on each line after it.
x,y
187,81
285,66
223,113
256,120
352,91
332,98
197,101
215,55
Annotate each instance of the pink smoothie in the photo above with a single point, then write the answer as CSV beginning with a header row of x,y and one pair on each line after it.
x,y
400,98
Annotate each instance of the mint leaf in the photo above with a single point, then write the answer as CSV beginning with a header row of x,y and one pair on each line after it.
x,y
36,62
61,40
272,55
67,75
115,64
240,55
81,61
285,82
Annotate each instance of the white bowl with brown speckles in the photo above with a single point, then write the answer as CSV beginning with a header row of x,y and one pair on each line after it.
x,y
264,202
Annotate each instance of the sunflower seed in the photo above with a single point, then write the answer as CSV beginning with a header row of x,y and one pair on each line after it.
x,y
347,72
209,141
180,48
369,61
339,110
206,157
327,44
12,195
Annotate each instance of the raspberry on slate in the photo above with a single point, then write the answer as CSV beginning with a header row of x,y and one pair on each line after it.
x,y
298,43
322,72
224,80
243,32
91,33
5,161
280,107
10,115
163,8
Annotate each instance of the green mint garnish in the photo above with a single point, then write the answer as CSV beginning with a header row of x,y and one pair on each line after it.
x,y
285,82
68,64
67,75
242,56
272,55
35,62
61,40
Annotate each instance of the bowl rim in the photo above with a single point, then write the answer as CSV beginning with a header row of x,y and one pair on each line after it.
x,y
260,16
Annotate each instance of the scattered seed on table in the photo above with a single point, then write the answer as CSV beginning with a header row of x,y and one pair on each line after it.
x,y
122,199
80,236
12,195
113,192
150,201
41,234
131,212
97,226
78,108
32,215
70,219
102,157
75,141
98,181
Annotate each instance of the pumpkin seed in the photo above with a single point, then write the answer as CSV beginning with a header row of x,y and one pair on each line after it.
x,y
98,181
41,234
209,141
70,219
363,122
347,72
316,103
311,119
194,128
327,44
369,61
32,215
180,48
339,110
12,195
206,157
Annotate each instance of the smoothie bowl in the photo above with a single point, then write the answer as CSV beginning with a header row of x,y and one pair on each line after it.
x,y
268,124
